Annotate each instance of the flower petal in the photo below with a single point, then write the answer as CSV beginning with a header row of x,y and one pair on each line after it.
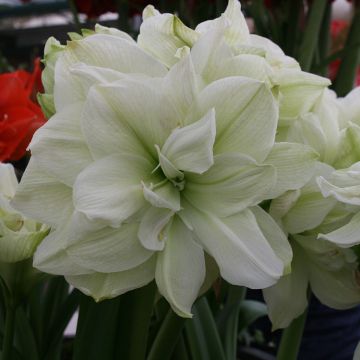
x,y
245,110
109,249
294,164
287,299
239,247
136,104
8,180
42,197
190,148
180,269
152,228
336,289
110,189
103,286
346,236
234,182
166,196
59,146
275,236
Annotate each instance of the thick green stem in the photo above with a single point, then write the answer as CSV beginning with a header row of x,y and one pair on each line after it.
x,y
123,15
291,339
143,305
167,337
9,332
311,34
344,81
75,15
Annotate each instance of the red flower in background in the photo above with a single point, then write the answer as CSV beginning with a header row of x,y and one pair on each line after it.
x,y
20,115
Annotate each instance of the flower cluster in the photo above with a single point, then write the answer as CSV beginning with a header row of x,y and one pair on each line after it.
x,y
160,153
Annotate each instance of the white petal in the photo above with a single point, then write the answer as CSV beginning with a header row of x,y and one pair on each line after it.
x,y
309,211
191,148
8,180
109,249
166,196
343,187
336,289
114,135
42,197
346,236
151,230
51,256
275,236
110,189
136,104
237,31
59,146
103,286
287,299
294,164
180,269
237,244
295,85
234,182
245,110
161,35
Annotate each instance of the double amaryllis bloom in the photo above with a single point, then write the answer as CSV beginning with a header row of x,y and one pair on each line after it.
x,y
20,115
159,152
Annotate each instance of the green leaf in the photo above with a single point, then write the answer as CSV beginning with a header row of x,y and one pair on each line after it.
x,y
96,330
167,337
25,338
311,34
250,311
201,334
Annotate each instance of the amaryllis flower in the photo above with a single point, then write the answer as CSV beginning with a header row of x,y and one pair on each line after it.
x,y
20,115
152,171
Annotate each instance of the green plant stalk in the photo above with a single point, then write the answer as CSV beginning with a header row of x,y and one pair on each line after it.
x,y
75,15
294,11
344,81
311,34
324,39
291,339
9,332
123,9
143,305
167,337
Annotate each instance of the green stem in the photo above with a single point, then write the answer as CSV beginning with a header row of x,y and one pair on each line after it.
x,y
123,10
324,39
75,15
291,339
143,306
344,81
167,337
295,8
311,34
9,332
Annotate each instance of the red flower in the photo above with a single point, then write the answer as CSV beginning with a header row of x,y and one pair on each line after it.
x,y
20,115
94,8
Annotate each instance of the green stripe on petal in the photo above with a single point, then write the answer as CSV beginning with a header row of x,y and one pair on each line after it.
x,y
239,247
233,183
180,269
110,189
